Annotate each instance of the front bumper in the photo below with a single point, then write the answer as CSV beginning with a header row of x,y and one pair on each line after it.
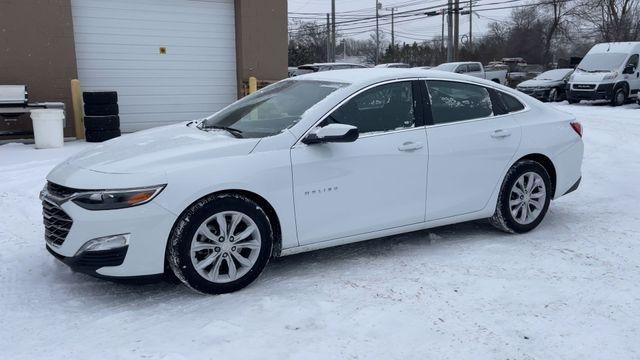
x,y
540,94
601,92
149,226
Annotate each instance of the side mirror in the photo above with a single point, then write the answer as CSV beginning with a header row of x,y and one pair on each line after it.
x,y
332,133
629,69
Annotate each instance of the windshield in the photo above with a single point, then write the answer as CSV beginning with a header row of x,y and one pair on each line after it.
x,y
556,75
272,109
602,62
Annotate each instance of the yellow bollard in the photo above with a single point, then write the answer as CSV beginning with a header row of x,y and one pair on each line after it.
x,y
253,84
76,98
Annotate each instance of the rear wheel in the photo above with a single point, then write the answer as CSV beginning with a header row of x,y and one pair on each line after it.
x,y
524,198
221,244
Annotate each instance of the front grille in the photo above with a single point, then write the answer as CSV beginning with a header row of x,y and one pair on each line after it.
x,y
56,223
584,86
60,191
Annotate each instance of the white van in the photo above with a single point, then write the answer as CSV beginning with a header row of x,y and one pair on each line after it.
x,y
609,72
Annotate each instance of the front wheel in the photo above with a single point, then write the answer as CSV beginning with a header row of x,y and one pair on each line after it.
x,y
524,198
619,97
220,244
555,95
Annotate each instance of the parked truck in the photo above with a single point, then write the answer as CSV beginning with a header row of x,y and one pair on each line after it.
x,y
609,71
474,69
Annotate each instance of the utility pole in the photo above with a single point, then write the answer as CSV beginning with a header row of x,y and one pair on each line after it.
x,y
344,49
333,30
470,25
393,33
328,39
456,31
377,32
442,38
450,31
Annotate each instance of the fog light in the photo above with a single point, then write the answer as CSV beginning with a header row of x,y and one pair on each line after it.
x,y
105,243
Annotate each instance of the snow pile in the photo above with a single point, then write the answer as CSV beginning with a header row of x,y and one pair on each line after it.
x,y
568,290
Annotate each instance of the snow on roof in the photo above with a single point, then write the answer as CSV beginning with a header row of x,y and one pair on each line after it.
x,y
361,77
616,47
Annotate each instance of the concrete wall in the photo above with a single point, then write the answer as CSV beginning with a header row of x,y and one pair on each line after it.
x,y
37,49
261,39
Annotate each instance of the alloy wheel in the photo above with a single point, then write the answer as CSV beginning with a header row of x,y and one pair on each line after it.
x,y
527,198
225,247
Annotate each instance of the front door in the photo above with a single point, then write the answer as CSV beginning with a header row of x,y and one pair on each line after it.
x,y
634,79
375,183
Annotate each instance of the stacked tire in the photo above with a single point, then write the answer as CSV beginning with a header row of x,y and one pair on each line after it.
x,y
101,116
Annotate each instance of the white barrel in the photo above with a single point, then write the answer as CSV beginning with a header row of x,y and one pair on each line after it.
x,y
48,126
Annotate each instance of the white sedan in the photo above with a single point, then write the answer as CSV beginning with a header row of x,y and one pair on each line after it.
x,y
311,162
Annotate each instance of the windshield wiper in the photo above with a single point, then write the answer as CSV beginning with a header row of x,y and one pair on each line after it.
x,y
235,132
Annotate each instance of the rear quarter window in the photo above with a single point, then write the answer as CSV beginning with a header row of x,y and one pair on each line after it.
x,y
511,104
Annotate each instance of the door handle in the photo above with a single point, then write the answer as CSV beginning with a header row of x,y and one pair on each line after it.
x,y
410,146
499,134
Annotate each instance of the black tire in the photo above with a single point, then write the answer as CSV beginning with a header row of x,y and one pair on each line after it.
x,y
502,218
111,122
182,235
101,109
100,97
101,135
555,95
619,96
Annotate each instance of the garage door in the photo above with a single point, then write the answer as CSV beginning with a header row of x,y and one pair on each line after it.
x,y
169,60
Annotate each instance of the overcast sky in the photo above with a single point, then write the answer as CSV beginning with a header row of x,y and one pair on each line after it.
x,y
406,29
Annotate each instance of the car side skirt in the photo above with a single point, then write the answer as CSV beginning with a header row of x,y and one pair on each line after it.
x,y
485,213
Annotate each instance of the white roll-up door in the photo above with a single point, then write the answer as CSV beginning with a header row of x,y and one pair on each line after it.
x,y
169,60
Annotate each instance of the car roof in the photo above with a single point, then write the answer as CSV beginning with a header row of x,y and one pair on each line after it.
x,y
460,62
332,63
615,47
364,77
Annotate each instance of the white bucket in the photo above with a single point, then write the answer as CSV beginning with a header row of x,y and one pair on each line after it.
x,y
48,128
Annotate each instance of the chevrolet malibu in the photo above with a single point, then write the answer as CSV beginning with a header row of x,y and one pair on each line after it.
x,y
316,161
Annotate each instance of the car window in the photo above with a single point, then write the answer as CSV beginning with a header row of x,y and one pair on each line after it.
x,y
461,69
474,68
511,104
383,108
633,60
455,101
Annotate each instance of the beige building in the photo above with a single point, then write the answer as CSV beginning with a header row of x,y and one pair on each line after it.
x,y
169,60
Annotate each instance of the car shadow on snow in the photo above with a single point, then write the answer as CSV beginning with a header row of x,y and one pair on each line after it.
x,y
305,265
287,268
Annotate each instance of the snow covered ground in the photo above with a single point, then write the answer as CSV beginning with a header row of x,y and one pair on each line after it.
x,y
568,290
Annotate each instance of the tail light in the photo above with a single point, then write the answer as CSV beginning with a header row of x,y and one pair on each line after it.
x,y
577,127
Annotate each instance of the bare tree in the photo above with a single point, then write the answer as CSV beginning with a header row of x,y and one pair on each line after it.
x,y
612,20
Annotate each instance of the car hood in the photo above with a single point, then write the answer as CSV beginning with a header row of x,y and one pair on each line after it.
x,y
587,77
155,150
539,83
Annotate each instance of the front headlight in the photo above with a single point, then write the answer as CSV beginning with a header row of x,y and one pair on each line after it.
x,y
117,199
610,76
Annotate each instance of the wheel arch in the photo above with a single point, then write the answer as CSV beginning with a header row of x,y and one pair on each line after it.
x,y
548,165
266,206
622,83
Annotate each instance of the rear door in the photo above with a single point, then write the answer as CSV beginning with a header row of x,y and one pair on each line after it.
x,y
471,144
